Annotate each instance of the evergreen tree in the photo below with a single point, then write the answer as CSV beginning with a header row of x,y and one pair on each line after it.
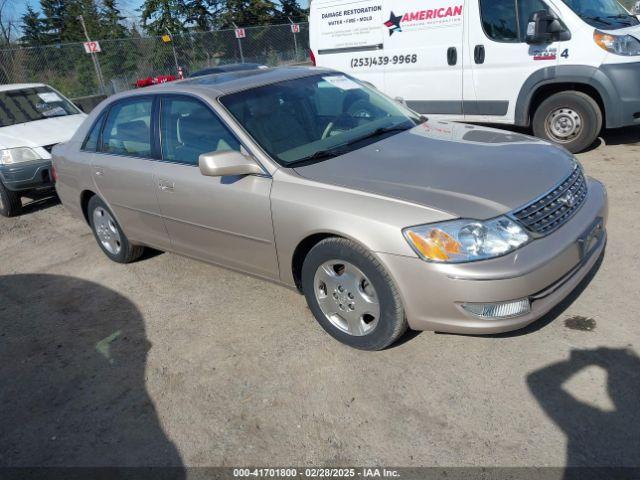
x,y
162,16
33,28
291,9
111,21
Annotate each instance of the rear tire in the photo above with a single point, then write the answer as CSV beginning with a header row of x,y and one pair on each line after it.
x,y
351,295
109,235
569,119
10,202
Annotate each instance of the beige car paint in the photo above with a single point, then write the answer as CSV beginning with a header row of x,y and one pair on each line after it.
x,y
255,223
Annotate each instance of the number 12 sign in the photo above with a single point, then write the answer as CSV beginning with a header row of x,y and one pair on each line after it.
x,y
92,47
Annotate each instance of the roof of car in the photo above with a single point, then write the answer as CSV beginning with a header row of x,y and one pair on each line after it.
x,y
228,82
19,86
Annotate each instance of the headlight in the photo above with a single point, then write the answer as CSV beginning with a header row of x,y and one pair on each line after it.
x,y
617,44
18,155
466,240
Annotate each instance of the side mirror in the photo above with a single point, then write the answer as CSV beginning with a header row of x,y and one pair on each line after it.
x,y
544,27
401,101
220,164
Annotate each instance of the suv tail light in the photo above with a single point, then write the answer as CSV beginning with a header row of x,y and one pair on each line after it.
x,y
312,57
54,174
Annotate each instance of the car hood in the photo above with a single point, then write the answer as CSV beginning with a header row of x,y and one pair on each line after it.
x,y
466,171
39,133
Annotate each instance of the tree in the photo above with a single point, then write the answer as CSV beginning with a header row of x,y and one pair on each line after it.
x,y
111,21
291,9
248,13
33,28
162,16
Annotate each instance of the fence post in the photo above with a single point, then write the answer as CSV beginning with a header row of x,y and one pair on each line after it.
x,y
239,42
96,62
295,39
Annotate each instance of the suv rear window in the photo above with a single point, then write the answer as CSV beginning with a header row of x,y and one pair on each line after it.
x,y
30,104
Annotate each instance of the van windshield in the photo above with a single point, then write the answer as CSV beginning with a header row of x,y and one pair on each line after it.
x,y
310,119
605,14
30,104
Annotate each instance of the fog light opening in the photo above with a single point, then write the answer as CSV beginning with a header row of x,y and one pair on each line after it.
x,y
498,310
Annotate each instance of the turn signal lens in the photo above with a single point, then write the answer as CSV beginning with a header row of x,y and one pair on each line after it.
x,y
437,245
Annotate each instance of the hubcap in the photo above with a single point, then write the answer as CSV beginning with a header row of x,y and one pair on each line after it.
x,y
346,297
563,124
107,231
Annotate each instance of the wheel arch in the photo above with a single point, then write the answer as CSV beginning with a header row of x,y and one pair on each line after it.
x,y
85,197
550,80
303,247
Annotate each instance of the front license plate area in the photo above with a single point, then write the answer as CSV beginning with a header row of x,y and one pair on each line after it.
x,y
589,239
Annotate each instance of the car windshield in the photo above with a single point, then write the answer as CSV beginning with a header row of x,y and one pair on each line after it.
x,y
30,104
605,14
313,118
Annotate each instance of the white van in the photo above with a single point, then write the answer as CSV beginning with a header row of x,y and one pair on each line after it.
x,y
565,67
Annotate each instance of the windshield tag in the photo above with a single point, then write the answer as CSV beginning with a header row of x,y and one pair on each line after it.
x,y
50,97
342,82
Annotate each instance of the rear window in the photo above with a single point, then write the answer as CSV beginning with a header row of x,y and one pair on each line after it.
x,y
30,104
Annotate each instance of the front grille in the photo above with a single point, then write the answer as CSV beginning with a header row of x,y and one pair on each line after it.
x,y
551,211
48,148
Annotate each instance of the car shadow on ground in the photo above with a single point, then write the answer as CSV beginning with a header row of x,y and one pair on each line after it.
x,y
39,201
72,370
599,442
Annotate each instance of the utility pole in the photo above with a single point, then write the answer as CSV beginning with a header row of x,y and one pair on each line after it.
x,y
173,46
295,40
94,58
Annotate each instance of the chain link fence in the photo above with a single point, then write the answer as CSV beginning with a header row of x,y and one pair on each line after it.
x,y
123,61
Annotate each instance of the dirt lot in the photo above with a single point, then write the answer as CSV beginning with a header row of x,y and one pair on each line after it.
x,y
171,361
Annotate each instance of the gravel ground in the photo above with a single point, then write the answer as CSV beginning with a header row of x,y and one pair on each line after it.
x,y
173,362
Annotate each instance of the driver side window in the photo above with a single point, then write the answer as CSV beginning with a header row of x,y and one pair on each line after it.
x,y
189,128
506,20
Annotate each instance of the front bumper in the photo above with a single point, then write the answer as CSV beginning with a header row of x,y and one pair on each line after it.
x,y
545,271
27,176
624,94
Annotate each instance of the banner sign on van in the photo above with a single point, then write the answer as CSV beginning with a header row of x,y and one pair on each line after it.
x,y
343,27
422,19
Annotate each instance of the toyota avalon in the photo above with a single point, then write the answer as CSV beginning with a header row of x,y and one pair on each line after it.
x,y
382,218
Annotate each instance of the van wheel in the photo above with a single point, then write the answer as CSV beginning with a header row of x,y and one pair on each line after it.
x,y
109,235
10,203
351,295
570,119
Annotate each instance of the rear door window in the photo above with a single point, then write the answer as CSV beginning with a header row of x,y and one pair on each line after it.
x,y
127,130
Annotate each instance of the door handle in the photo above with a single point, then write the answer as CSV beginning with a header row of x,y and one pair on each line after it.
x,y
452,55
166,185
478,54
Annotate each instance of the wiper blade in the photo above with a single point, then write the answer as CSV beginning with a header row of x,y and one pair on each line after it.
x,y
596,19
381,131
319,155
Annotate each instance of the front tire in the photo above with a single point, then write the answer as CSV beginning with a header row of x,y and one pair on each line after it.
x,y
109,235
570,119
10,203
351,295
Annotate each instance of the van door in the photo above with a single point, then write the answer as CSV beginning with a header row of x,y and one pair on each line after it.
x,y
423,54
123,171
349,37
500,59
